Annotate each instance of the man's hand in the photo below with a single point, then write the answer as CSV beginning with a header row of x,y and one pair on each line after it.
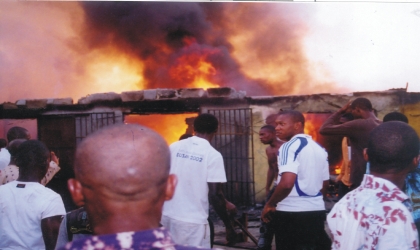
x,y
267,212
345,108
231,208
54,158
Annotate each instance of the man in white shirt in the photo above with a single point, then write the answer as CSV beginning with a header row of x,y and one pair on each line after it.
x,y
200,171
296,207
378,214
30,214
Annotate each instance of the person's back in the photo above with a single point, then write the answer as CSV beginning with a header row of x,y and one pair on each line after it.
x,y
30,213
190,159
377,214
200,172
412,181
22,205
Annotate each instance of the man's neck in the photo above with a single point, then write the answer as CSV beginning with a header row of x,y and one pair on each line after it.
x,y
398,179
141,218
207,137
276,143
28,179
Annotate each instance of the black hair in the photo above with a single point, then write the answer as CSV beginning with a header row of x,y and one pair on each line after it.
x,y
296,116
32,156
14,146
392,146
3,143
206,123
269,127
362,103
17,133
395,116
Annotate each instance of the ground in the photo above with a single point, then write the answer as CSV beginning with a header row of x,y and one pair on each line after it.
x,y
253,214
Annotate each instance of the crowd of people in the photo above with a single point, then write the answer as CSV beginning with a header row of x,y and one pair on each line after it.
x,y
135,192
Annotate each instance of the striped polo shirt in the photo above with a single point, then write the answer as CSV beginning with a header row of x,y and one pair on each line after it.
x,y
309,161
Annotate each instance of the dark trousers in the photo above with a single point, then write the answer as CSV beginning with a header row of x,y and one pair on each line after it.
x,y
266,230
301,230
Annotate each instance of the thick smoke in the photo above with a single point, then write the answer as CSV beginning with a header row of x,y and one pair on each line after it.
x,y
160,34
71,49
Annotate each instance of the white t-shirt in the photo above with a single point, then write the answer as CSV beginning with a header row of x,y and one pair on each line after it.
x,y
195,162
22,207
4,158
309,161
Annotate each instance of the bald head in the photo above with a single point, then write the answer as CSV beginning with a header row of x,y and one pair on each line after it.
x,y
123,162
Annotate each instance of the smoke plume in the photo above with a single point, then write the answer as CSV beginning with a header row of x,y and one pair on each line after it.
x,y
61,49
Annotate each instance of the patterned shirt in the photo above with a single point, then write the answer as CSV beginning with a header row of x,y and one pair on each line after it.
x,y
376,215
412,189
158,238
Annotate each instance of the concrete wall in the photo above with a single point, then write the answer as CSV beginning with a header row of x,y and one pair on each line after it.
x,y
325,104
171,101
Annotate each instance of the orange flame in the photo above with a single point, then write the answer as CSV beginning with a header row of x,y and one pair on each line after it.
x,y
312,124
170,127
193,69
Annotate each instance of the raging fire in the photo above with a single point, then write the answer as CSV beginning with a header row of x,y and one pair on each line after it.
x,y
171,127
193,70
332,144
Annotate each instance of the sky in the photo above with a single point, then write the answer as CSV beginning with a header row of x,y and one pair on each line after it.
x,y
46,51
367,46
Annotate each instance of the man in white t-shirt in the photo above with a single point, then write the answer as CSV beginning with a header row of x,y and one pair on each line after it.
x,y
296,207
200,171
30,214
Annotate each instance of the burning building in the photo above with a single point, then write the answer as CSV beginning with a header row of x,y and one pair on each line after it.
x,y
169,61
62,124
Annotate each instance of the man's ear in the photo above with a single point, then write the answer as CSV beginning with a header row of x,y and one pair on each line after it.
x,y
75,188
170,186
365,155
415,162
297,125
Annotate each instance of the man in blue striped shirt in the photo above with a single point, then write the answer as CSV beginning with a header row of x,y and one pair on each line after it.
x,y
296,207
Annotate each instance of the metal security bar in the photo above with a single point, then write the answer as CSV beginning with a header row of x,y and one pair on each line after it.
x,y
234,141
89,123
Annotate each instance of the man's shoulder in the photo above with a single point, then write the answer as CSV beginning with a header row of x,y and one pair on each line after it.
x,y
368,122
44,191
195,144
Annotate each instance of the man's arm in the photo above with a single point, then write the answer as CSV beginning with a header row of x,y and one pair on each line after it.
x,y
332,126
50,227
272,170
53,168
222,207
282,190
